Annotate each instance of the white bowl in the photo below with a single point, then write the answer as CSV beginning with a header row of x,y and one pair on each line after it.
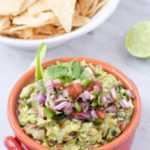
x,y
95,21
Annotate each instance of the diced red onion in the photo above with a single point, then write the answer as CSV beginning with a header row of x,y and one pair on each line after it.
x,y
94,114
41,112
68,111
92,97
52,97
51,102
122,113
62,105
124,104
80,118
111,109
97,87
41,98
113,92
49,87
120,119
65,93
104,99
130,94
131,105
85,95
77,81
85,114
85,106
68,106
34,97
108,96
60,99
108,101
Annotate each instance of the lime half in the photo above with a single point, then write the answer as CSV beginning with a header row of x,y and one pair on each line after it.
x,y
138,40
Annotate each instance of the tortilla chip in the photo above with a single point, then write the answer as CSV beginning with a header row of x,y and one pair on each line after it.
x,y
14,7
4,22
77,10
34,21
96,6
48,30
85,5
25,34
79,21
64,11
101,4
39,7
16,28
22,33
26,4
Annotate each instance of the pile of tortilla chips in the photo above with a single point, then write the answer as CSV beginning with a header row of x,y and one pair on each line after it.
x,y
39,19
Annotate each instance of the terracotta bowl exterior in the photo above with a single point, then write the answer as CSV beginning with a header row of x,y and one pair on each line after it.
x,y
123,142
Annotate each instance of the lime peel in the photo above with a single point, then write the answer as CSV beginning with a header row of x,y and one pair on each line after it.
x,y
138,40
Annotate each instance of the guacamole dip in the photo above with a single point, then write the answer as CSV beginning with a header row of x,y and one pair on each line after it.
x,y
75,106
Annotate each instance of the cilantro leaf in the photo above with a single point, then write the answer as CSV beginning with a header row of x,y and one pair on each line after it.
x,y
71,69
57,71
77,70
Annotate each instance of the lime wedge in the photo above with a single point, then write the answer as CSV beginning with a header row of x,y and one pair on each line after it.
x,y
138,40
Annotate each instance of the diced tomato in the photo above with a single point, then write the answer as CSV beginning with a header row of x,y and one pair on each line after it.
x,y
114,101
75,114
98,83
101,114
90,87
12,144
58,86
74,89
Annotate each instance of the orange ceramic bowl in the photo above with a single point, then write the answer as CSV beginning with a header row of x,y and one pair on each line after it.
x,y
123,142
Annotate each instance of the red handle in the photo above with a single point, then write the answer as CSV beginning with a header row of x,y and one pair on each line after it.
x,y
12,144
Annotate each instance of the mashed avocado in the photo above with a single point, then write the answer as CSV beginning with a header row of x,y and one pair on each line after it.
x,y
75,106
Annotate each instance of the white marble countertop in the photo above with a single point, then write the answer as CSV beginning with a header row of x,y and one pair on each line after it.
x,y
106,43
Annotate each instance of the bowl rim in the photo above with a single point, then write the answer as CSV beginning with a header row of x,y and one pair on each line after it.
x,y
26,78
94,22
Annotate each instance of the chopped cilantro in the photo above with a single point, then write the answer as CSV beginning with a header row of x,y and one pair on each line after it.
x,y
70,99
77,70
77,107
33,104
57,71
86,82
71,69
94,104
48,113
53,93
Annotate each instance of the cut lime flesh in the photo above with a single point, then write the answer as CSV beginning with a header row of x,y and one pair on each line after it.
x,y
138,40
